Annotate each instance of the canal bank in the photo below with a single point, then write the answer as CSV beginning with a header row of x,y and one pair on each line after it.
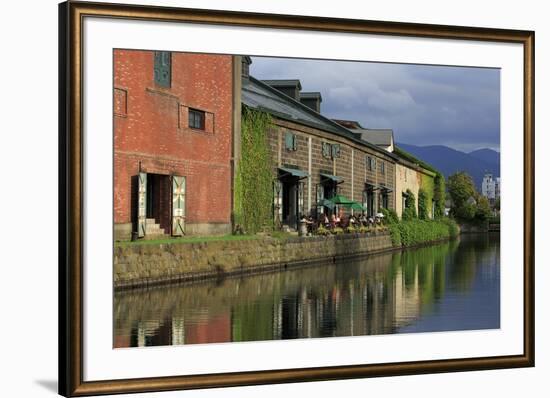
x,y
452,285
151,264
142,265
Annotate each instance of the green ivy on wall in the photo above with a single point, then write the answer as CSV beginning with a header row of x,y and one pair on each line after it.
x,y
427,184
253,179
423,212
439,195
409,213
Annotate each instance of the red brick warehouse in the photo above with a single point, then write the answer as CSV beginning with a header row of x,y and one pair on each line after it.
x,y
173,137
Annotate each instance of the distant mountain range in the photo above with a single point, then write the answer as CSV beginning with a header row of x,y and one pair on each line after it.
x,y
449,161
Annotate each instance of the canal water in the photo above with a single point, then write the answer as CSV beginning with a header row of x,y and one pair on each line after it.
x,y
449,286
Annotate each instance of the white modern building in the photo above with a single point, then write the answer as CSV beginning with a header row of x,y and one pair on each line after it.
x,y
490,187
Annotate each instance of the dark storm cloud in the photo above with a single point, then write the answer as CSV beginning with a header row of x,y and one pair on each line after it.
x,y
424,105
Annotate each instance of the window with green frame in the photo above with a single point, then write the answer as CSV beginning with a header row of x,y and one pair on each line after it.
x,y
291,143
163,68
335,152
327,150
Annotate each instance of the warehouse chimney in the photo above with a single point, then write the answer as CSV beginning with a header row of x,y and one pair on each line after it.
x,y
246,61
312,100
290,87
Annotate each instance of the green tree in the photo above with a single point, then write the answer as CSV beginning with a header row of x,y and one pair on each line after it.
x,y
461,188
483,209
466,212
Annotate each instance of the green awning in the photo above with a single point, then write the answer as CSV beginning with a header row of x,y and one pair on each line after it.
x,y
326,203
341,200
336,179
294,172
357,206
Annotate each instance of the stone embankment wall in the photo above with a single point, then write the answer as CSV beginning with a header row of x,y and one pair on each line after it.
x,y
147,264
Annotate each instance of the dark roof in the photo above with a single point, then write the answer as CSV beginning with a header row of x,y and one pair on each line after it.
x,y
350,124
376,136
284,83
260,95
312,94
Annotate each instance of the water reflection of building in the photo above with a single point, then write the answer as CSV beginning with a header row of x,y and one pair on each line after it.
x,y
407,298
378,295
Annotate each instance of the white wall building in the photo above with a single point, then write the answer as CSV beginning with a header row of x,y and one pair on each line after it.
x,y
490,187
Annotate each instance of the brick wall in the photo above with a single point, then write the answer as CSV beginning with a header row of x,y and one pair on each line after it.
x,y
151,130
341,166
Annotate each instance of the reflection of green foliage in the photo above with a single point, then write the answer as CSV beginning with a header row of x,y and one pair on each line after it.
x,y
253,179
462,272
252,321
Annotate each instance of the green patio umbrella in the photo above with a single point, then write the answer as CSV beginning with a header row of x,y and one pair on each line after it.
x,y
326,203
348,203
357,206
341,200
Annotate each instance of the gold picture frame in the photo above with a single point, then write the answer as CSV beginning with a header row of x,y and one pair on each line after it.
x,y
71,16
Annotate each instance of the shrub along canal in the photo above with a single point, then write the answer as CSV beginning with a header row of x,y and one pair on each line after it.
x,y
454,285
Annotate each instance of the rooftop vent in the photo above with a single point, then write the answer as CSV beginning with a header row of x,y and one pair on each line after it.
x,y
246,61
312,100
290,87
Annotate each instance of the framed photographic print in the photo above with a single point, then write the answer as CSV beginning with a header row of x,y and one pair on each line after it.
x,y
253,199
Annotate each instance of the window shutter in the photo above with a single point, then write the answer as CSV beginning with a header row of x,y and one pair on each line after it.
x,y
142,204
289,141
326,150
178,206
294,142
163,68
336,150
277,203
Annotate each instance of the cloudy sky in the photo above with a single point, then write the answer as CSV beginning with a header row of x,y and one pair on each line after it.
x,y
424,105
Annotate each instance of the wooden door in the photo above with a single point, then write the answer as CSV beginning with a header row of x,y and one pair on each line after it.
x,y
178,206
142,204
